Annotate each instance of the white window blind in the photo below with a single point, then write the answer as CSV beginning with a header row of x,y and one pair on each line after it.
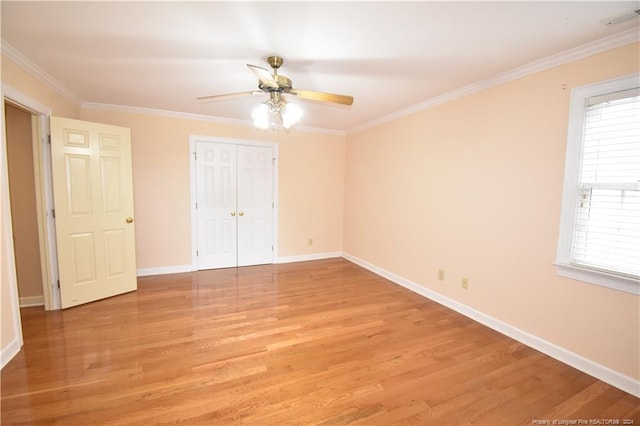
x,y
607,223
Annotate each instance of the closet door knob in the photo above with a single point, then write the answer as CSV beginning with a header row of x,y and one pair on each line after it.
x,y
129,220
233,213
241,214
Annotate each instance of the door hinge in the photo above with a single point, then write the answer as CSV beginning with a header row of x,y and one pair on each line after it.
x,y
58,283
197,253
53,213
273,205
196,205
49,139
271,248
195,155
273,160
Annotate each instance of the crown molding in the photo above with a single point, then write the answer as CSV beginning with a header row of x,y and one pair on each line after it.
x,y
588,49
197,117
24,62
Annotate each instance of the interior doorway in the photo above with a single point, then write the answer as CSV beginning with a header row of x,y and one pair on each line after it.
x,y
22,193
41,189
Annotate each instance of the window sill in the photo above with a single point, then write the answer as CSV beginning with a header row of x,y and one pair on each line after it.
x,y
616,282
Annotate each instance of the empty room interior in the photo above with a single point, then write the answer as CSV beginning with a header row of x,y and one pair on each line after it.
x,y
320,213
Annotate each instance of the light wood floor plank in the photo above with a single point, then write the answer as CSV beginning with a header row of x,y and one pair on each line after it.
x,y
323,342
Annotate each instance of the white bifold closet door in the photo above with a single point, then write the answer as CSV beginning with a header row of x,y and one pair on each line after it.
x,y
234,191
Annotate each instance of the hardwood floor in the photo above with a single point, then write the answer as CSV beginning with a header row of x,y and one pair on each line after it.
x,y
323,342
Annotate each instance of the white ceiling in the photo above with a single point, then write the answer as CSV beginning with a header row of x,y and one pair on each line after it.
x,y
388,55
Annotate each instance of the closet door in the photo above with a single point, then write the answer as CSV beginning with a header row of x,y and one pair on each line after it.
x,y
216,205
255,205
234,206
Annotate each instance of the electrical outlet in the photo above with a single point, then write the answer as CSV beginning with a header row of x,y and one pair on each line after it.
x,y
465,283
441,274
310,241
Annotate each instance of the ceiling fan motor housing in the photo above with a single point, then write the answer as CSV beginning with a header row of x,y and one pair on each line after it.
x,y
284,84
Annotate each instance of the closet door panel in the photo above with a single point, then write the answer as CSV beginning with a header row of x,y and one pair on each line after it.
x,y
216,205
255,205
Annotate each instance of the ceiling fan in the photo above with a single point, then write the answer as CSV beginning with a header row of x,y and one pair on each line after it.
x,y
276,107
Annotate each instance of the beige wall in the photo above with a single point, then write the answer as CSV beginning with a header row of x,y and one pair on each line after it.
x,y
310,190
22,191
474,187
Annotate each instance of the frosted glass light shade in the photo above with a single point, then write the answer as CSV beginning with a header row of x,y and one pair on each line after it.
x,y
271,112
260,116
291,115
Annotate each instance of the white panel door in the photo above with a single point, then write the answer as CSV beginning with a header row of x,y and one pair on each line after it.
x,y
255,205
93,197
234,205
216,205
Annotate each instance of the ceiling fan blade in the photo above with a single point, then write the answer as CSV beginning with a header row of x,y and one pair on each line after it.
x,y
322,97
227,96
264,75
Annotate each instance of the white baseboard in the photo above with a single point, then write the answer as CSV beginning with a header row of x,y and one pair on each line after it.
x,y
143,272
307,257
31,301
9,351
164,270
614,378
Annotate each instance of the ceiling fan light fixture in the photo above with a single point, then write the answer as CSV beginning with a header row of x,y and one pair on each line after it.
x,y
276,111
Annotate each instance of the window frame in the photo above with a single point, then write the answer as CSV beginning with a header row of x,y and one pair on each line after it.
x,y
563,262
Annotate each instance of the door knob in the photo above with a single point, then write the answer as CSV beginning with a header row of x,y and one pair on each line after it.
x,y
233,213
241,214
129,219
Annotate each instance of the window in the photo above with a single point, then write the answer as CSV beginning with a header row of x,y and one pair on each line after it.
x,y
599,238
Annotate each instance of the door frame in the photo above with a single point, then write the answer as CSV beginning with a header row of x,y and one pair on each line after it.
x,y
40,114
194,196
